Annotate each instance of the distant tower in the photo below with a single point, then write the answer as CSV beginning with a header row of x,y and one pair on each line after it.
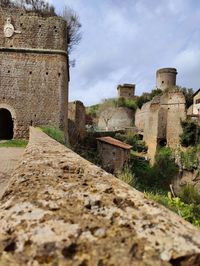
x,y
166,78
126,91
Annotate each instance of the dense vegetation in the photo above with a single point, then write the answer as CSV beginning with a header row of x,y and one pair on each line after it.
x,y
190,158
54,133
157,177
188,93
184,206
133,140
191,133
154,181
145,97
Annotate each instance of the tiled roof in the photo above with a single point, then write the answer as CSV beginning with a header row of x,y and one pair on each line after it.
x,y
115,142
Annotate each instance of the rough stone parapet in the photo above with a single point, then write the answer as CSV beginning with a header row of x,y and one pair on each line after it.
x,y
60,209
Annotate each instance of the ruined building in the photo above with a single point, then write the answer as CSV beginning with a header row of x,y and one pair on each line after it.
x,y
166,78
33,72
160,118
126,91
113,154
76,122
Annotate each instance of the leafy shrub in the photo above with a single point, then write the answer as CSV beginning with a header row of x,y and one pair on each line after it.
x,y
189,212
93,110
191,133
133,140
188,93
157,177
127,176
145,97
189,194
54,133
128,103
189,158
164,170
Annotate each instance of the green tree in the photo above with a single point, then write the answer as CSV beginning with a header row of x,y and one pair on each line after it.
x,y
191,133
188,93
146,97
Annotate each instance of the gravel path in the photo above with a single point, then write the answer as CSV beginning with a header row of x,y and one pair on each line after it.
x,y
9,157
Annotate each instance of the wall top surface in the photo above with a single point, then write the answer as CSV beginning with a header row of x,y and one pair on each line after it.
x,y
60,209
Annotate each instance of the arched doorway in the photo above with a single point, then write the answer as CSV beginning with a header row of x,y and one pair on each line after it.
x,y
6,124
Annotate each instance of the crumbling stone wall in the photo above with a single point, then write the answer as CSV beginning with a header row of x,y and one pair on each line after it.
x,y
176,111
122,117
76,122
160,120
34,70
59,209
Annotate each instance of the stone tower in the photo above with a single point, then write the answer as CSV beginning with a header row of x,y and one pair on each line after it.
x,y
33,72
166,78
126,91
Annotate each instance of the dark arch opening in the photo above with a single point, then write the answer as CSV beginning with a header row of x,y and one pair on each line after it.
x,y
6,124
162,142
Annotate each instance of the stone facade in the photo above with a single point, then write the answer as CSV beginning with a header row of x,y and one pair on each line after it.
x,y
113,154
34,71
166,78
160,120
76,121
126,91
59,209
120,118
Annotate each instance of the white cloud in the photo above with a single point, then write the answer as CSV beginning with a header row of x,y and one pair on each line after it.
x,y
126,41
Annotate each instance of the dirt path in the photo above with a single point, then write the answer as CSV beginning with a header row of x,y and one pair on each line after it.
x,y
9,157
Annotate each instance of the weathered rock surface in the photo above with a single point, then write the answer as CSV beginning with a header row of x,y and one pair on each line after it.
x,y
61,210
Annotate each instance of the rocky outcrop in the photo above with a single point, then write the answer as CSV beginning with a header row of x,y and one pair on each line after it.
x,y
60,209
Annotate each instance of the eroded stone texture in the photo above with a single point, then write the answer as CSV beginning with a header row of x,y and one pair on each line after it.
x,y
61,210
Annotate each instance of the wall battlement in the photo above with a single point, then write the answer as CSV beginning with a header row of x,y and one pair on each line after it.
x,y
59,209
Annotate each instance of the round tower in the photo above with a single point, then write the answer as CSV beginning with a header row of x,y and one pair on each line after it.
x,y
166,78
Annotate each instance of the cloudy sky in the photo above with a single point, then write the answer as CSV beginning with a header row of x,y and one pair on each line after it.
x,y
126,41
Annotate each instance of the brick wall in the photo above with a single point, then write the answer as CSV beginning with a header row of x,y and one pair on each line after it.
x,y
34,83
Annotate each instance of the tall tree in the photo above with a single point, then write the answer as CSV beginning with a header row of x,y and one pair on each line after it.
x,y
73,27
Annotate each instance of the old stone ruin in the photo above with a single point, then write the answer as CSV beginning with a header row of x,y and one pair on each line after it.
x,y
160,118
58,208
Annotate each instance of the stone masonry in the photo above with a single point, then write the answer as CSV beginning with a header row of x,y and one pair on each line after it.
x,y
76,122
166,78
59,209
160,121
160,118
126,91
33,70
